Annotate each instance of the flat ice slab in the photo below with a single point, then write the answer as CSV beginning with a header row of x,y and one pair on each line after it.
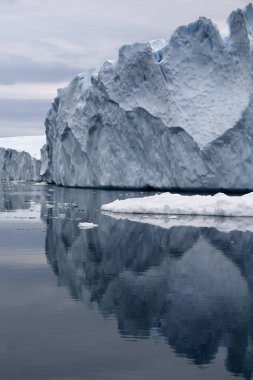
x,y
176,204
87,226
29,144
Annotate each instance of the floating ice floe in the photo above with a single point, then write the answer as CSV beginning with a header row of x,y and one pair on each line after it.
x,y
86,226
176,204
40,184
49,206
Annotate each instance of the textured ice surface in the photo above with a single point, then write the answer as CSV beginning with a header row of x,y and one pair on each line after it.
x,y
16,166
176,204
174,114
20,157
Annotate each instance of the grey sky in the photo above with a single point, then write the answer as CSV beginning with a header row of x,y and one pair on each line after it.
x,y
45,43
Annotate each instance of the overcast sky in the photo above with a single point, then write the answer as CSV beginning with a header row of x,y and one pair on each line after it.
x,y
43,44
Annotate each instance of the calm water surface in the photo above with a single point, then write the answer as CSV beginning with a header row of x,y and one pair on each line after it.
x,y
127,300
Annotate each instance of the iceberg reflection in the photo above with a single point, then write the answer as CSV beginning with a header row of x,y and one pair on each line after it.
x,y
192,285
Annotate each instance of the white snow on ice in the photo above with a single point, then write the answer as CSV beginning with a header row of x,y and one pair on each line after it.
x,y
30,144
87,226
176,204
41,184
157,45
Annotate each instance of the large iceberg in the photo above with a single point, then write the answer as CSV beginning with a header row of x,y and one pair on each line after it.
x,y
20,158
174,114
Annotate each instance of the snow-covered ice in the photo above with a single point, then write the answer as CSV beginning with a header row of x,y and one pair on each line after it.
x,y
41,184
176,204
157,45
86,226
29,144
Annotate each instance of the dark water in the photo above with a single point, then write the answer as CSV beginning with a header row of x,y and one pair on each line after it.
x,y
127,300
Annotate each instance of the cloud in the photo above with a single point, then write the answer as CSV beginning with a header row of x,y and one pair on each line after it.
x,y
81,34
22,127
19,109
22,117
17,69
30,90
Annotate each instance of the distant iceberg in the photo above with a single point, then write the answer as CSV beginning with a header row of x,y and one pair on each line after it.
x,y
20,158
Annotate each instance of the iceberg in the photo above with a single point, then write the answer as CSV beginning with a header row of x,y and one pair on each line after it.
x,y
176,204
20,158
168,114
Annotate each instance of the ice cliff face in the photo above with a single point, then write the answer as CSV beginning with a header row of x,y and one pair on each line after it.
x,y
20,158
15,166
174,114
